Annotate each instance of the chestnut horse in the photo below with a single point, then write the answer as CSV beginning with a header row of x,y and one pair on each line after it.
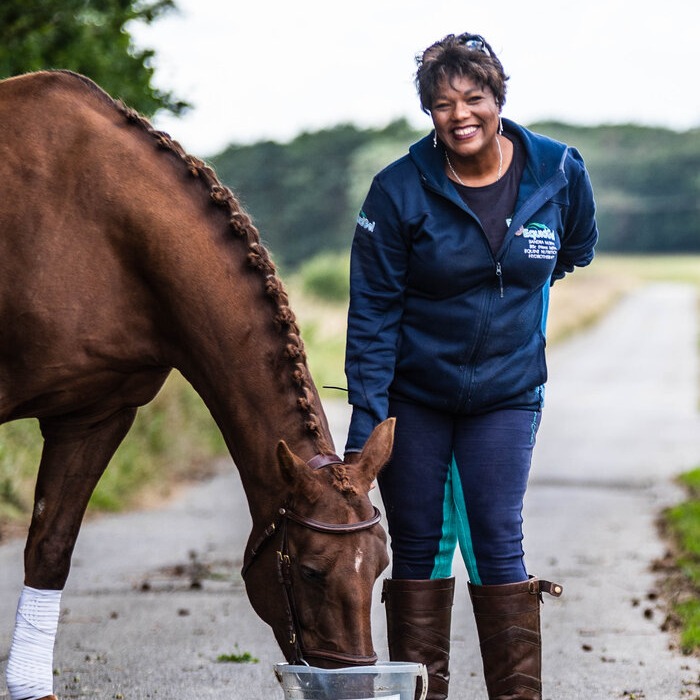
x,y
123,257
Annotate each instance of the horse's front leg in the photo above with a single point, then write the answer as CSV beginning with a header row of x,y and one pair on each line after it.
x,y
73,460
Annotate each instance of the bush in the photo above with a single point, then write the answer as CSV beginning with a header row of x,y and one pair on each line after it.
x,y
327,276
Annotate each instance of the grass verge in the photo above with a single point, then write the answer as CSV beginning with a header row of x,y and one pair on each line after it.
x,y
173,440
680,568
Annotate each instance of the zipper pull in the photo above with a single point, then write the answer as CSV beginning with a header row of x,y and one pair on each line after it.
x,y
499,274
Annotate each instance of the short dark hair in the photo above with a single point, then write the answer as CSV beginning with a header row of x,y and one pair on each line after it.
x,y
456,56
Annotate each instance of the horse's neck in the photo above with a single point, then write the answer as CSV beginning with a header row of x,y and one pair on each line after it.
x,y
242,360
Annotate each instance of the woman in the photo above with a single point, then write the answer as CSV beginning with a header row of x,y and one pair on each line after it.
x,y
454,253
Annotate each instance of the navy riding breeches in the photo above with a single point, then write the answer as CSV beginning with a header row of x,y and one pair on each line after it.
x,y
456,478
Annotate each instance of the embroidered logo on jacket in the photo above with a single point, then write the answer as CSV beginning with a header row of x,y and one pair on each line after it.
x,y
366,224
542,241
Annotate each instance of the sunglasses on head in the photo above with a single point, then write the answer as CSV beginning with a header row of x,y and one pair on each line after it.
x,y
474,42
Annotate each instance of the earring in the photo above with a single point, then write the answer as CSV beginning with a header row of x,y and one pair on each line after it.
x,y
434,139
500,124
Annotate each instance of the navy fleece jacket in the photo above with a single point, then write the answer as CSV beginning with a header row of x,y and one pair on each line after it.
x,y
435,317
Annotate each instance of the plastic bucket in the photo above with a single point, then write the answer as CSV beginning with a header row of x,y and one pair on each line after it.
x,y
394,680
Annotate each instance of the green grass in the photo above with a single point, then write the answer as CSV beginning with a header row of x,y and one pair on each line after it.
x,y
19,455
689,615
681,525
684,522
238,658
173,439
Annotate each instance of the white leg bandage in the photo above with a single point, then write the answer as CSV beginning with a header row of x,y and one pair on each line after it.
x,y
30,664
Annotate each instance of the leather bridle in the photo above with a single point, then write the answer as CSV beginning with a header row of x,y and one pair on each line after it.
x,y
284,569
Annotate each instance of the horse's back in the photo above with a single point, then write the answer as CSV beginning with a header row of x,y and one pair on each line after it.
x,y
40,82
38,109
57,138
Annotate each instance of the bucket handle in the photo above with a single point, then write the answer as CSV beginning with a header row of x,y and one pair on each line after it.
x,y
424,681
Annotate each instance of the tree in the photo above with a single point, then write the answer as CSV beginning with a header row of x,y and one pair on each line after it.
x,y
301,194
89,37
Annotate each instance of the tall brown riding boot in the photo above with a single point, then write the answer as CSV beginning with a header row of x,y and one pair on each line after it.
x,y
508,622
419,619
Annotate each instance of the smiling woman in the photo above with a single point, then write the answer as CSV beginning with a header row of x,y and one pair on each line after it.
x,y
454,253
465,107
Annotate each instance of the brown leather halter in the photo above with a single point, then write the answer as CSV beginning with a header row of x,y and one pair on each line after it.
x,y
284,569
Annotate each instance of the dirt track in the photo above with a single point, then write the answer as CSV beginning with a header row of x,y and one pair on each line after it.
x,y
621,420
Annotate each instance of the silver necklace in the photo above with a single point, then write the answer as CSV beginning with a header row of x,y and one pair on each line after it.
x,y
500,164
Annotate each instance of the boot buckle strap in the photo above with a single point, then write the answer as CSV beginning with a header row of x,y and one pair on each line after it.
x,y
539,586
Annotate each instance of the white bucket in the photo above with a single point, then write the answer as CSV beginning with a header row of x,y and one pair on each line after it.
x,y
392,680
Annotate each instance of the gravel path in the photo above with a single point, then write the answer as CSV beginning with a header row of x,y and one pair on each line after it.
x,y
621,420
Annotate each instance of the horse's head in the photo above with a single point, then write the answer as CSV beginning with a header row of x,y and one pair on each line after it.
x,y
310,574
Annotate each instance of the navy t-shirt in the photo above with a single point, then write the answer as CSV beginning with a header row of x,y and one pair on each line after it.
x,y
494,204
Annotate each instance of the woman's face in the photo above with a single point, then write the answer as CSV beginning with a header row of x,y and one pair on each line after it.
x,y
465,116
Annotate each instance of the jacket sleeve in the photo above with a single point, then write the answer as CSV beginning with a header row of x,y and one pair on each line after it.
x,y
378,266
581,232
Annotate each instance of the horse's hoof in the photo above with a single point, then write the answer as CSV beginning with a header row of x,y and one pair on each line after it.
x,y
49,697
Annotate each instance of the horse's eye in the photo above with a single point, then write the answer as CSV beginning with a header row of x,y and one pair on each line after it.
x,y
313,575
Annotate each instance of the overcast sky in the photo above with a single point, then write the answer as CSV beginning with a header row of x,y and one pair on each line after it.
x,y
270,69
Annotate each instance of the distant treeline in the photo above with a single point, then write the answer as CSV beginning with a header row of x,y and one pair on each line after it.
x,y
304,196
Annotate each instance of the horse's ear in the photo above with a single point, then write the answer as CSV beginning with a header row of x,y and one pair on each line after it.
x,y
296,472
288,461
377,449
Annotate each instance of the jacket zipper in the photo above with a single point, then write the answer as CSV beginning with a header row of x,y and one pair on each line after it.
x,y
499,275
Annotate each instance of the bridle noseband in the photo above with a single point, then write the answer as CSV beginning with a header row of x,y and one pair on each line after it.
x,y
284,568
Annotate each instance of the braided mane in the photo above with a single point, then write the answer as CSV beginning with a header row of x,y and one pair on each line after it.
x,y
258,260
